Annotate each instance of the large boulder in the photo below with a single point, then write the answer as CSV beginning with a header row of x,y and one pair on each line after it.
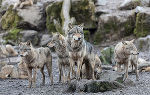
x,y
107,55
129,4
31,35
6,3
82,10
114,26
45,39
10,19
109,80
143,43
145,3
142,26
32,18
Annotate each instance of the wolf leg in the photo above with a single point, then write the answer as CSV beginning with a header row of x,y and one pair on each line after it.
x,y
136,71
68,71
126,71
93,66
60,71
79,64
29,71
72,67
34,77
43,75
49,69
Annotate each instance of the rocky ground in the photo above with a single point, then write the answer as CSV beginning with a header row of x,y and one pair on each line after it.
x,y
20,87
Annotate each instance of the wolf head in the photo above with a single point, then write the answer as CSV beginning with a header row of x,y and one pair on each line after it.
x,y
57,39
25,48
75,35
130,48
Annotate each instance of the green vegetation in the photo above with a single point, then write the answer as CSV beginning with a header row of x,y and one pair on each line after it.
x,y
142,25
86,34
53,12
84,12
13,35
10,19
107,55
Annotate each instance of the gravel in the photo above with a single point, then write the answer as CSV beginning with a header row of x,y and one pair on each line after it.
x,y
20,87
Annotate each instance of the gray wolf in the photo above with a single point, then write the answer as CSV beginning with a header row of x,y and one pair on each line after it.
x,y
8,50
36,59
80,51
125,53
97,69
58,42
11,71
23,3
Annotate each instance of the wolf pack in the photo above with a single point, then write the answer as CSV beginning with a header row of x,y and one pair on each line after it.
x,y
77,58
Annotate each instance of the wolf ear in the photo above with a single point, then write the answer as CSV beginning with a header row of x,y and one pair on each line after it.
x,y
29,43
81,25
124,42
70,26
132,40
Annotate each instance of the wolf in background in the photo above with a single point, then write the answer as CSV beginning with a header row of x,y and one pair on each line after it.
x,y
125,53
22,3
80,51
58,42
36,59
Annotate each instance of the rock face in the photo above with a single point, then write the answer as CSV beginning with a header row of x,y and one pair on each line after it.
x,y
30,35
143,44
142,27
107,55
45,39
109,80
32,18
82,10
129,4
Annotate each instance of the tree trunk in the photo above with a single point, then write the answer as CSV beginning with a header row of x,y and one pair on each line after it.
x,y
65,16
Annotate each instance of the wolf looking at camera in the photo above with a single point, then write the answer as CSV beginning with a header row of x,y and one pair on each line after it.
x,y
80,51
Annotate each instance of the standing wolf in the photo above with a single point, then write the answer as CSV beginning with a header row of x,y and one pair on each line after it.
x,y
36,59
79,50
58,42
125,54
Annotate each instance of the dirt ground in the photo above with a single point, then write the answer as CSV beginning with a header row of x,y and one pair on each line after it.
x,y
20,87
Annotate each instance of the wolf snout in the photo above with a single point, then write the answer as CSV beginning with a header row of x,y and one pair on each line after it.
x,y
21,55
77,38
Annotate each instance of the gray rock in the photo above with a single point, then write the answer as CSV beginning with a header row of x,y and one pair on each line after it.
x,y
109,80
129,4
31,35
32,18
45,39
142,26
143,43
145,3
115,25
7,3
101,2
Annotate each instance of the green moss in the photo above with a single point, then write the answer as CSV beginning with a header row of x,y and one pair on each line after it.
x,y
10,19
53,12
142,25
97,37
84,12
13,35
107,55
129,26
